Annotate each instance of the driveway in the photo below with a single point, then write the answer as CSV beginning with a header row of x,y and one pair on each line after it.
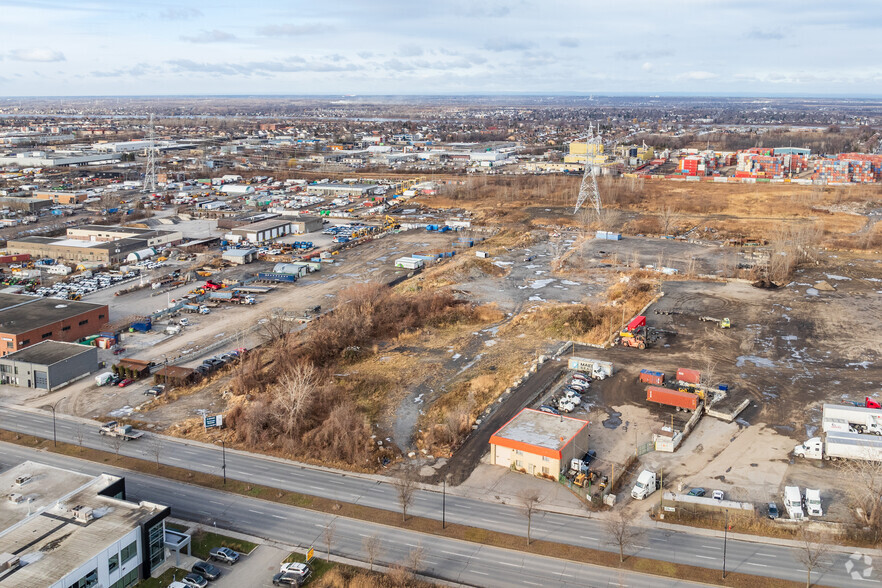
x,y
255,570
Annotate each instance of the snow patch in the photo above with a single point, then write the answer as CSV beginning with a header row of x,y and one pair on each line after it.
x,y
863,364
456,356
122,412
757,361
535,298
811,292
490,343
541,283
789,337
502,263
570,283
835,277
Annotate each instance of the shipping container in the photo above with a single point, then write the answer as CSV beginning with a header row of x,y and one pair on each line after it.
x,y
688,376
675,398
651,377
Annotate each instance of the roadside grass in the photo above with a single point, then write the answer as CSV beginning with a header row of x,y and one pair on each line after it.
x,y
164,579
203,542
413,523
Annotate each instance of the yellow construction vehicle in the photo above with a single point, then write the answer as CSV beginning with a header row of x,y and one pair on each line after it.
x,y
162,259
725,324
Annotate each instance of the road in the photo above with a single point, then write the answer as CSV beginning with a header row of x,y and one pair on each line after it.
x,y
674,546
446,559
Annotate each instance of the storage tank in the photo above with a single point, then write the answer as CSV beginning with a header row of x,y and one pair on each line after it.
x,y
236,189
141,254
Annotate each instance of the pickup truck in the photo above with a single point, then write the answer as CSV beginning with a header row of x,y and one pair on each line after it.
x,y
114,429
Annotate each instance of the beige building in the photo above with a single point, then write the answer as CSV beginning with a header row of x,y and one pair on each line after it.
x,y
107,233
539,443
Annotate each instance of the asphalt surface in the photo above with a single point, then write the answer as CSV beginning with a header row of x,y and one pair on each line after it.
x,y
675,546
446,559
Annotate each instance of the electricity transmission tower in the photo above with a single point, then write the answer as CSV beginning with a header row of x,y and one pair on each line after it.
x,y
150,172
588,188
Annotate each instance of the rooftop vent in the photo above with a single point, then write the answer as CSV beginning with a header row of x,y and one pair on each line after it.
x,y
23,479
82,513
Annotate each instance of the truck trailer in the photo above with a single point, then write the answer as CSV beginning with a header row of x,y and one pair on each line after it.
x,y
835,446
599,370
680,400
863,419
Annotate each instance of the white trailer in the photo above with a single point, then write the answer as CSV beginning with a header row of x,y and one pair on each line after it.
x,y
856,415
841,446
409,263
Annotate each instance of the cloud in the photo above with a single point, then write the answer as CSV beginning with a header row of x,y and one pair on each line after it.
x,y
646,66
37,54
398,65
263,68
137,70
569,42
180,13
697,75
761,35
293,30
212,36
365,54
410,51
506,45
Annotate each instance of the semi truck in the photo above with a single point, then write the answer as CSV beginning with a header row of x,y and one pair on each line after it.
x,y
599,370
813,503
793,503
680,400
114,429
836,446
646,484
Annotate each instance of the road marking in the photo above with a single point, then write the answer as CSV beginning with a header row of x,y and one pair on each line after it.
x,y
255,511
482,573
276,480
318,488
216,502
766,555
584,537
280,517
412,545
464,506
640,547
488,521
756,564
457,554
531,583
502,563
175,458
710,547
563,574
320,526
705,557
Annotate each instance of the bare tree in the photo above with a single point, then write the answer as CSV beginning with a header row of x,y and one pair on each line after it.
x,y
80,435
668,216
415,559
405,485
155,447
529,500
621,534
813,554
294,395
863,486
373,546
274,326
328,537
115,442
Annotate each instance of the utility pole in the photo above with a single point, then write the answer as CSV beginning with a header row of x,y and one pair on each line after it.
x,y
54,437
725,537
444,502
150,172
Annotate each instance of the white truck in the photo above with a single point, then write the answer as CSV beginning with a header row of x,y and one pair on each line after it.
x,y
838,426
646,484
841,446
813,503
114,429
866,420
598,370
793,503
102,379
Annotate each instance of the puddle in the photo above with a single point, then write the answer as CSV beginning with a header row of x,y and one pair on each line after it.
x,y
614,421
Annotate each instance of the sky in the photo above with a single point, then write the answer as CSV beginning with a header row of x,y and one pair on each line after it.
x,y
383,47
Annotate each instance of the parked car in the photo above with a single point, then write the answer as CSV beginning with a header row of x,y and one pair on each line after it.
x,y
697,492
281,579
206,570
301,569
549,409
194,581
719,495
773,511
581,377
125,382
590,456
155,391
119,350
224,554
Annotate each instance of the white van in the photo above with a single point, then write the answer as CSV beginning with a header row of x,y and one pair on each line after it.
x,y
102,379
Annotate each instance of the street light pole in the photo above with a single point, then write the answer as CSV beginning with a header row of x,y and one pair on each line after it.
x,y
54,436
443,502
224,450
725,537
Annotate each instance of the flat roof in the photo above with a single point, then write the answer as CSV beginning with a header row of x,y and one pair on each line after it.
x,y
19,313
41,528
48,352
263,225
121,244
538,432
110,229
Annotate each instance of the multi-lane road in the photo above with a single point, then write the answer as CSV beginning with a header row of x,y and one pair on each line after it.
x,y
685,547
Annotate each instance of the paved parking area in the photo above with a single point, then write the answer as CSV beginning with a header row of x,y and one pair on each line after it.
x,y
255,570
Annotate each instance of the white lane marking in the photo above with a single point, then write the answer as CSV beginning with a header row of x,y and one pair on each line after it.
x,y
766,555
174,458
276,480
756,564
464,506
710,547
453,553
255,511
531,583
280,517
640,547
705,557
563,574
216,502
318,488
584,537
502,563
482,573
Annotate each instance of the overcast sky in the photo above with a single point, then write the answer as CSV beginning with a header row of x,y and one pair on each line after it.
x,y
94,47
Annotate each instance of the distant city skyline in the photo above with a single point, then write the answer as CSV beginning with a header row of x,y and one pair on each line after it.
x,y
690,47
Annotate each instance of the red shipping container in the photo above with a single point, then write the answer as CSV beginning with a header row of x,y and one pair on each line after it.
x,y
651,377
666,396
689,376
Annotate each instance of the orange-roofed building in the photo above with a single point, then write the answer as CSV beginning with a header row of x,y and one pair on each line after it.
x,y
539,443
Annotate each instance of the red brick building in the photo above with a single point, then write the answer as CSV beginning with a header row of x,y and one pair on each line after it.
x,y
26,320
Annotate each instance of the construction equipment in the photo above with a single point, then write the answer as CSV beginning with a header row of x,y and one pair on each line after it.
x,y
724,323
632,340
390,223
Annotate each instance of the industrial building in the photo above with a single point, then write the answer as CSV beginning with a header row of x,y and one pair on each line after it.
x,y
76,249
63,197
267,230
24,204
57,159
345,190
48,365
306,224
26,320
539,443
106,234
239,256
64,529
